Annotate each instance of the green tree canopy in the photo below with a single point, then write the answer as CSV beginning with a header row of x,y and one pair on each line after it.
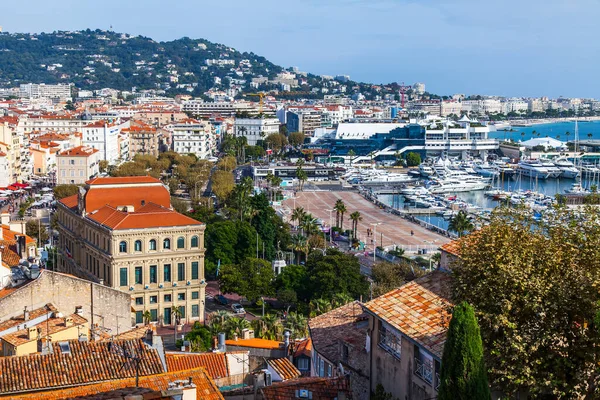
x,y
252,278
463,375
413,159
296,139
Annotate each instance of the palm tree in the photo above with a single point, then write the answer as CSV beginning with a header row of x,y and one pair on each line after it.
x,y
319,306
340,209
297,324
297,214
147,316
461,224
235,326
589,135
308,224
299,245
220,316
355,217
340,299
351,154
177,314
302,176
270,326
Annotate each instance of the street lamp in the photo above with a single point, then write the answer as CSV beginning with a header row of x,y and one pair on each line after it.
x,y
375,239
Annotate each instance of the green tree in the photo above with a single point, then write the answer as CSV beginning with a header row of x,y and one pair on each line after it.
x,y
103,166
252,279
200,338
302,176
388,276
223,184
69,106
296,139
351,154
460,223
413,159
297,214
276,141
340,210
355,217
36,230
227,163
62,191
463,375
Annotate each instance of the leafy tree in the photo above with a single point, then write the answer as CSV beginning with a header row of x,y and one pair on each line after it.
x,y
62,191
460,223
222,184
534,287
200,338
302,176
388,276
227,163
69,106
297,324
181,206
36,230
252,279
413,159
103,166
296,139
276,141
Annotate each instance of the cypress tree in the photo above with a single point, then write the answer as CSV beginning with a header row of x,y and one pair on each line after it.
x,y
463,375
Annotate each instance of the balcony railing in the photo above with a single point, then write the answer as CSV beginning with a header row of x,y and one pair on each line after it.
x,y
424,370
437,381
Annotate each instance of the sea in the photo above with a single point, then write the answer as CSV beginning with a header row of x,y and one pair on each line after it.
x,y
549,187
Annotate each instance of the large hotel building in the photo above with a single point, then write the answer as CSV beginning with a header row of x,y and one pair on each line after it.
x,y
123,233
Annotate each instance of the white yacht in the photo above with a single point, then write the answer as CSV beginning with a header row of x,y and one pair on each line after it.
x,y
485,170
454,185
534,169
426,170
567,168
576,188
554,171
386,177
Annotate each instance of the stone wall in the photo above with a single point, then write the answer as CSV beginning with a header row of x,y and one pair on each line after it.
x,y
111,307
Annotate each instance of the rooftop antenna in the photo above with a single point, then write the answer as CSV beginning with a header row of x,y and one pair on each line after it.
x,y
133,355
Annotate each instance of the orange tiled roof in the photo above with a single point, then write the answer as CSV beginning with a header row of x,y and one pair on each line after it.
x,y
116,180
206,389
321,388
79,151
38,312
7,234
418,309
70,201
284,368
50,327
304,348
255,343
214,363
454,246
116,220
87,362
8,250
135,333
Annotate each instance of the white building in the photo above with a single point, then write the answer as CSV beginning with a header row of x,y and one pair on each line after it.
x,y
448,107
193,136
77,165
36,91
200,108
255,129
107,138
5,172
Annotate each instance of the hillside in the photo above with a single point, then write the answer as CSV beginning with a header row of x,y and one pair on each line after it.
x,y
99,59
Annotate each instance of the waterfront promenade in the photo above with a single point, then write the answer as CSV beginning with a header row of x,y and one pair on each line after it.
x,y
392,229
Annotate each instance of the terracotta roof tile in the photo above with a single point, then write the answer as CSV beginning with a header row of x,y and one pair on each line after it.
x,y
85,363
214,363
122,180
98,197
321,388
119,220
52,326
284,368
80,151
418,309
304,348
206,389
33,314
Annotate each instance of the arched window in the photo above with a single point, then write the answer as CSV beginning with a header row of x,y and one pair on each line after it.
x,y
123,247
167,244
194,241
152,244
180,242
137,246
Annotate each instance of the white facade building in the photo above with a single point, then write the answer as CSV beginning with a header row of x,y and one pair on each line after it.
x,y
36,91
5,172
107,138
193,136
255,129
77,165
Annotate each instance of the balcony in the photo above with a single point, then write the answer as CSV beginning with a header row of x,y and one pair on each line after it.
x,y
424,370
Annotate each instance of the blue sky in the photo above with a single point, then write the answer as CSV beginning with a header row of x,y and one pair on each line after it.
x,y
509,47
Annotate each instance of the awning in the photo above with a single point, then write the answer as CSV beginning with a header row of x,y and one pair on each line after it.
x,y
46,189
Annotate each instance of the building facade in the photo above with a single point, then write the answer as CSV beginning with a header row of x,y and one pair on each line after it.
x,y
193,136
255,129
77,165
143,139
107,138
122,232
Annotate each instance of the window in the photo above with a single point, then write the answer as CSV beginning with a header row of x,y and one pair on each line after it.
x,y
195,270
167,298
303,364
181,272
182,310
180,296
123,277
389,341
153,299
139,317
167,273
139,301
423,365
137,246
138,275
195,310
194,241
153,274
152,244
123,247
167,244
154,315
345,352
180,242
329,370
195,296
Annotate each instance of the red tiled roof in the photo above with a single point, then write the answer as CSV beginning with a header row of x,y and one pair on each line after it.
x,y
115,219
454,246
321,388
418,309
116,180
304,348
49,327
206,389
284,368
97,198
38,312
70,201
214,363
7,234
255,343
8,250
87,362
79,151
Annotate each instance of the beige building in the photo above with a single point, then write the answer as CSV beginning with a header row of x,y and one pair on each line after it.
x,y
77,165
143,139
407,332
160,118
124,233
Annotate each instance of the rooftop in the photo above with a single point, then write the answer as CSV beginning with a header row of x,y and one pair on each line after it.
x,y
80,151
418,309
320,388
142,218
50,327
284,368
214,363
20,319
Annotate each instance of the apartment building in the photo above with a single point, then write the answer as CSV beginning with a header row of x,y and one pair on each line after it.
x,y
36,91
305,121
255,129
143,139
106,137
124,233
407,331
11,144
5,170
193,136
77,165
205,109
51,122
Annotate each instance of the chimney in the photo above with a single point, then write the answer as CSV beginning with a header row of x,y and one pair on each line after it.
x,y
25,314
32,333
79,310
68,321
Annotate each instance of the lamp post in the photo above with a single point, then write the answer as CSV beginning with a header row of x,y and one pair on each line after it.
x,y
375,239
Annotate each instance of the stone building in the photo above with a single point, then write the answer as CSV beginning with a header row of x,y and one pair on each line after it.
x,y
123,233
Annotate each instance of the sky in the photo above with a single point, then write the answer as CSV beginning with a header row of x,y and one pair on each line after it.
x,y
508,48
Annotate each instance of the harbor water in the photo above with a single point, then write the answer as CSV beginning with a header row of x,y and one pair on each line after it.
x,y
557,130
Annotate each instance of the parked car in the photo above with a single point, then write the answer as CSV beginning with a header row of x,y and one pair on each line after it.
x,y
221,299
238,309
